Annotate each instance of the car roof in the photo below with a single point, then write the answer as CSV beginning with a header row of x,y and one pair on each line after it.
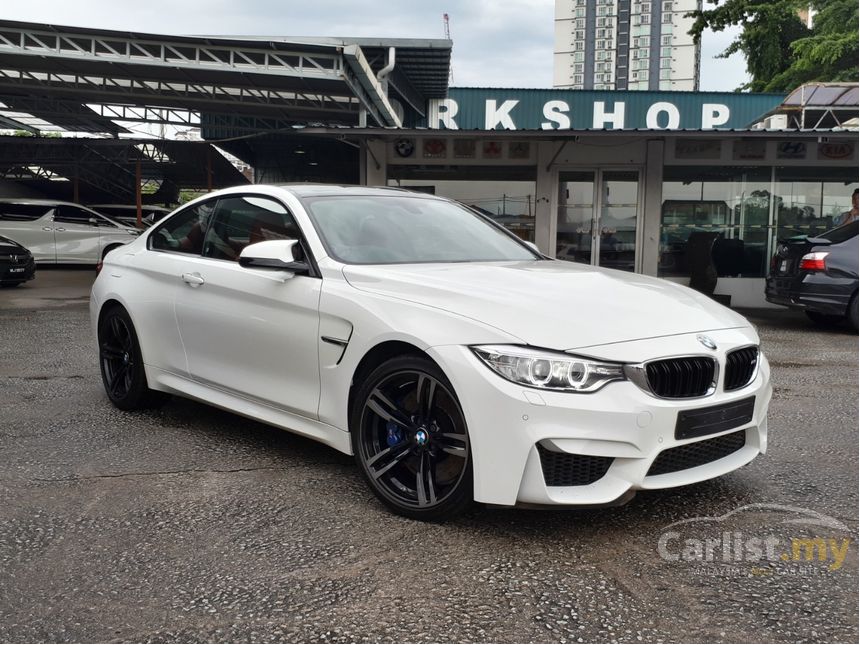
x,y
38,202
319,190
146,207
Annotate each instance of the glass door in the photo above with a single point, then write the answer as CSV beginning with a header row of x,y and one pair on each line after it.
x,y
597,217
619,207
576,216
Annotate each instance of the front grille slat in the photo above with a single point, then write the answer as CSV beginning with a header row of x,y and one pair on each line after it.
x,y
696,454
740,368
681,378
566,469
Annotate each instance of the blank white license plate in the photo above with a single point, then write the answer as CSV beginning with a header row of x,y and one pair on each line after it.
x,y
783,266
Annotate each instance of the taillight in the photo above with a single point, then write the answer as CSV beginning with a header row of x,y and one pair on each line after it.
x,y
814,261
99,266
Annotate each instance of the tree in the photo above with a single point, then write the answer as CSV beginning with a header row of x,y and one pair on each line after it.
x,y
780,50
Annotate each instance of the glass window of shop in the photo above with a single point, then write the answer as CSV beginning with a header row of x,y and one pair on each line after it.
x,y
808,201
745,210
509,203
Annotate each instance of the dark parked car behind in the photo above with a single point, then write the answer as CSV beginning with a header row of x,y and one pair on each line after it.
x,y
818,275
16,263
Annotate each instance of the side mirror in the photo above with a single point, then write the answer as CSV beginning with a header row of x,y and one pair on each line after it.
x,y
94,221
533,246
280,255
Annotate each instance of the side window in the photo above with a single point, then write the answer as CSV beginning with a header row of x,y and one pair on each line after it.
x,y
72,215
22,212
185,231
240,221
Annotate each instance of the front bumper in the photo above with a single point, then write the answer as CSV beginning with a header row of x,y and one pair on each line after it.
x,y
621,422
19,271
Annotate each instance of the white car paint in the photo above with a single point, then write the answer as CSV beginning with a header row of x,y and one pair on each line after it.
x,y
51,239
250,341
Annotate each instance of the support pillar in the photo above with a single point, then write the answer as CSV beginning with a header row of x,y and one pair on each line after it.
x,y
649,250
138,197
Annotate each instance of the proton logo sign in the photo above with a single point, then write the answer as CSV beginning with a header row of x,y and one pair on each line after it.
x,y
759,540
707,341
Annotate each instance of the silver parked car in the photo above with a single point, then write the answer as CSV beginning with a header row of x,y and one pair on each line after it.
x,y
127,213
61,232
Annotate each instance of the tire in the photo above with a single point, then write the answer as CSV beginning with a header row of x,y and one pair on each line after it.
x,y
823,320
121,364
852,313
410,440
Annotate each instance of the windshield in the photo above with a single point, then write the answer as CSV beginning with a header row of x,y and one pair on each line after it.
x,y
400,229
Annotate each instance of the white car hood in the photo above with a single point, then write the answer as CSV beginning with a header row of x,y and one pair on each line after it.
x,y
552,304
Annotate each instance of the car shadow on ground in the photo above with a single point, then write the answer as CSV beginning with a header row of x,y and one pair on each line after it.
x,y
230,432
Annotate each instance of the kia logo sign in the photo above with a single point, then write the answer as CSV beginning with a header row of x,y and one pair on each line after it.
x,y
835,150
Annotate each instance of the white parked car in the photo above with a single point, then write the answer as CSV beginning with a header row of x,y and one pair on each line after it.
x,y
454,361
126,214
61,232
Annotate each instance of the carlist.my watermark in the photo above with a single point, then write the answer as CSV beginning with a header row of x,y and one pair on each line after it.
x,y
763,539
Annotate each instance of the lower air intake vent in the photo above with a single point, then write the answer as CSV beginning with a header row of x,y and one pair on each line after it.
x,y
696,454
565,469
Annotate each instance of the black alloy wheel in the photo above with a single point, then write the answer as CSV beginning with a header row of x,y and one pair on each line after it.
x,y
121,363
410,439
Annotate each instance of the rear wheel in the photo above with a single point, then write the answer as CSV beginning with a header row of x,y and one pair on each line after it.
x,y
121,363
410,439
824,320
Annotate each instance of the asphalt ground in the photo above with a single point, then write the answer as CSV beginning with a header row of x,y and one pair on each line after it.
x,y
192,524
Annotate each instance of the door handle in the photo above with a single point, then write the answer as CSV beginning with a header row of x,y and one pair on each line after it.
x,y
59,229
47,228
193,279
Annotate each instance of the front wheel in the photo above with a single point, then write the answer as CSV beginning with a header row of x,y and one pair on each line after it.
x,y
410,439
121,363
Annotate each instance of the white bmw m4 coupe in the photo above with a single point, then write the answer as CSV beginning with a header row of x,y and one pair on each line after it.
x,y
454,361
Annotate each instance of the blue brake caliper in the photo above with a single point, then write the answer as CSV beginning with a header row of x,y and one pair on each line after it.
x,y
395,433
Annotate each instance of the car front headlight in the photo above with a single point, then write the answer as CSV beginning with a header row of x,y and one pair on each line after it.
x,y
548,370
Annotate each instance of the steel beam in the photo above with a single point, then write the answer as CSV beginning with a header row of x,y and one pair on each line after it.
x,y
17,125
172,52
362,80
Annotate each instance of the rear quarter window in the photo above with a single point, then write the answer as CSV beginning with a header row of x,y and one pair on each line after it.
x,y
22,212
841,234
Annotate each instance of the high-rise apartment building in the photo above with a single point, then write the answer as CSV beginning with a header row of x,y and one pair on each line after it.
x,y
625,45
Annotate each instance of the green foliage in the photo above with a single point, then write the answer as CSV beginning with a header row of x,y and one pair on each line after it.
x,y
781,52
186,196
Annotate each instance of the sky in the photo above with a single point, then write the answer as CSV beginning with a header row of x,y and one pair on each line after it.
x,y
497,43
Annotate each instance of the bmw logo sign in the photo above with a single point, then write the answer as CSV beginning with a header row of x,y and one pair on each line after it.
x,y
404,147
707,341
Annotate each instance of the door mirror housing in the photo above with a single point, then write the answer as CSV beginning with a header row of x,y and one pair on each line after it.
x,y
532,246
279,255
94,221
